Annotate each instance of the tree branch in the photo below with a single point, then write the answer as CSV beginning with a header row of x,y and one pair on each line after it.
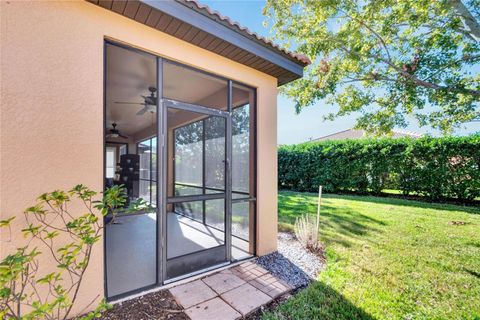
x,y
412,77
471,25
424,83
384,45
375,77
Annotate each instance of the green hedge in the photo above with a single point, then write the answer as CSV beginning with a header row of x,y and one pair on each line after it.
x,y
437,168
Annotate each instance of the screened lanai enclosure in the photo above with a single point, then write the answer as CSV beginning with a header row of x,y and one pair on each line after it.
x,y
181,142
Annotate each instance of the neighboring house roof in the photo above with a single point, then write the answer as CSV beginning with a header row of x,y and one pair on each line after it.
x,y
359,134
190,21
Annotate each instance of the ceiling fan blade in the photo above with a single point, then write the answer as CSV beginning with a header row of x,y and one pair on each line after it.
x,y
142,111
120,102
122,136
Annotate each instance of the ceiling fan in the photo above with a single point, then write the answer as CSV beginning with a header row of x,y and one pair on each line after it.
x,y
114,133
149,104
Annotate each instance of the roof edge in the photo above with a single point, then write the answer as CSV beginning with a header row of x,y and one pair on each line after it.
x,y
200,26
185,13
237,27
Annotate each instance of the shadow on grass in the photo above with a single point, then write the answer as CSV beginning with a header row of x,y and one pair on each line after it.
x,y
319,301
417,203
473,244
316,301
473,273
410,203
341,220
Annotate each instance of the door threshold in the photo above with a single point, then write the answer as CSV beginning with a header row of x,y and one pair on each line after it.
x,y
183,279
194,273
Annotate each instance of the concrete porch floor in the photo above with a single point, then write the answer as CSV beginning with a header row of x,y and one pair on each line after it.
x,y
229,294
131,248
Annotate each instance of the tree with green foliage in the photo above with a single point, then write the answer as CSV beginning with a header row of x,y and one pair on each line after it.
x,y
69,239
386,60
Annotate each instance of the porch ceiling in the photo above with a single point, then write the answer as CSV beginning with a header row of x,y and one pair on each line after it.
x,y
189,21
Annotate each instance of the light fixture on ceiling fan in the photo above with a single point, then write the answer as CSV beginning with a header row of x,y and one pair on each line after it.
x,y
115,133
149,104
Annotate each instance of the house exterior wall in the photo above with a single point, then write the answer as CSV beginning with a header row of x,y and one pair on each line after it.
x,y
51,120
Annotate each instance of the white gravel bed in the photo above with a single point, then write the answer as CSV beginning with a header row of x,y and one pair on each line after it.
x,y
292,262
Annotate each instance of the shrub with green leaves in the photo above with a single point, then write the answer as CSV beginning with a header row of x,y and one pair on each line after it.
x,y
436,168
68,239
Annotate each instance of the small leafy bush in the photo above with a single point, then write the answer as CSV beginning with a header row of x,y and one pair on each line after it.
x,y
436,168
69,239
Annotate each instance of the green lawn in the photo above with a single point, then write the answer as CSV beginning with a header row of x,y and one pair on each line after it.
x,y
388,259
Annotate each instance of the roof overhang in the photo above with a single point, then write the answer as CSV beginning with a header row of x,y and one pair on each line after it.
x,y
196,24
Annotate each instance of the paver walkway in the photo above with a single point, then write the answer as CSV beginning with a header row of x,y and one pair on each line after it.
x,y
229,294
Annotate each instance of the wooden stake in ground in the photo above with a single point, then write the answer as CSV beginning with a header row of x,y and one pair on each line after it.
x,y
318,213
307,230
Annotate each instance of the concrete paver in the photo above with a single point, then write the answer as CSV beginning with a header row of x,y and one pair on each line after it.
x,y
214,309
192,293
270,285
246,298
229,294
223,282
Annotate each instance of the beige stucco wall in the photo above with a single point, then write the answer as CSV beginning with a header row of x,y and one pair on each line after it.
x,y
52,108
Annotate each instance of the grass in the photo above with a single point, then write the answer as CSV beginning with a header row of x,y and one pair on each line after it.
x,y
399,193
388,259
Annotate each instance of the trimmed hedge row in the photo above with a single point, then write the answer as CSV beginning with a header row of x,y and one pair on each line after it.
x,y
437,168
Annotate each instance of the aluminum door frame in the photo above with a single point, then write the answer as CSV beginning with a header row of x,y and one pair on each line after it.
x,y
162,162
162,170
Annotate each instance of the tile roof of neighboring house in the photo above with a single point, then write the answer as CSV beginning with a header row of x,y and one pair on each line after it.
x,y
206,10
359,134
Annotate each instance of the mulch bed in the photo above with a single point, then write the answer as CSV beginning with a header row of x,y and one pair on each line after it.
x,y
156,305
